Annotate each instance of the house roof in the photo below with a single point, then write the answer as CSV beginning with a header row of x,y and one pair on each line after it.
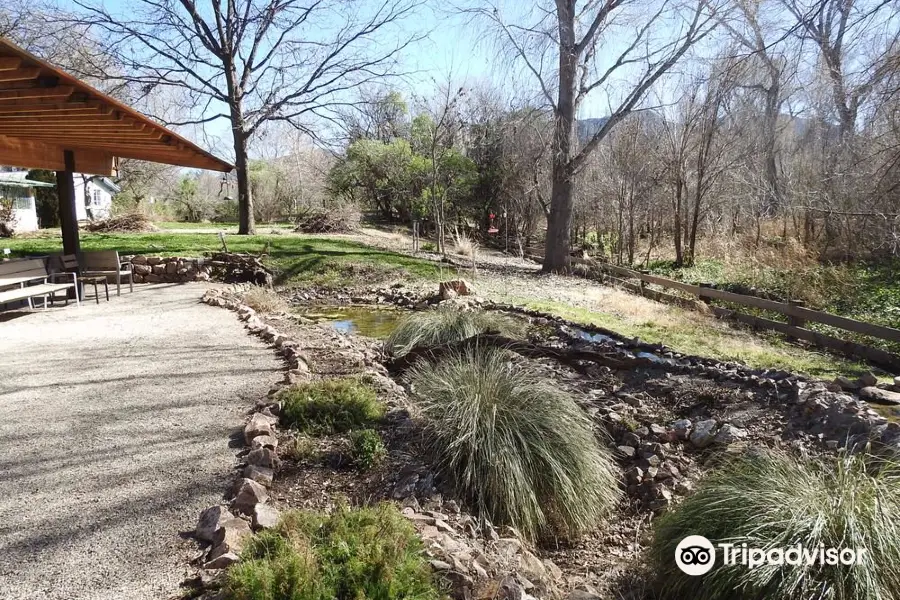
x,y
45,111
20,180
108,185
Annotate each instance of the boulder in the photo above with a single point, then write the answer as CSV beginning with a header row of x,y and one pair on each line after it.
x,y
682,429
845,383
222,561
258,425
264,457
730,434
247,494
265,516
211,521
141,269
868,380
260,475
879,396
230,537
460,287
704,433
140,259
264,441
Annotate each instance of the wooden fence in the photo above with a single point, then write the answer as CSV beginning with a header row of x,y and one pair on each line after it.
x,y
797,315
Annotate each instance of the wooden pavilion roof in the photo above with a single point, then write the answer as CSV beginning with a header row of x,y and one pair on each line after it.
x,y
44,111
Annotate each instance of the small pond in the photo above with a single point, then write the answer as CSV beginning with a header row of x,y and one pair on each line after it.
x,y
374,322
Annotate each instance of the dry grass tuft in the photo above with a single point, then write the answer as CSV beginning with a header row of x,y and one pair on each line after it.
x,y
264,300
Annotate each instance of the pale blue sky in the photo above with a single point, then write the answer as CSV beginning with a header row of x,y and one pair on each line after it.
x,y
453,46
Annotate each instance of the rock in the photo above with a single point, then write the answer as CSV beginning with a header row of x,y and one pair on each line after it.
x,y
264,441
730,434
210,521
868,380
703,433
460,287
222,561
265,516
264,457
626,451
879,396
142,269
845,383
247,495
532,567
682,429
581,594
230,537
260,475
439,565
631,400
258,425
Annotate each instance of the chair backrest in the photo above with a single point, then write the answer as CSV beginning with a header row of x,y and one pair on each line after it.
x,y
31,267
102,260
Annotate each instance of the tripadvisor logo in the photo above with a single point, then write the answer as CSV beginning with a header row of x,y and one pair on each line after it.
x,y
696,555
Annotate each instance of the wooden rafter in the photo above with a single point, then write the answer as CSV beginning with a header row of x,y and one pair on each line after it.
x,y
45,111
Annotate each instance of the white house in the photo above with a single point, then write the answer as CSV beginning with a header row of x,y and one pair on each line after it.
x,y
16,187
93,205
97,202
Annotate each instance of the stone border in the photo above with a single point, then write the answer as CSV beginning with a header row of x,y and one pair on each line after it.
x,y
227,527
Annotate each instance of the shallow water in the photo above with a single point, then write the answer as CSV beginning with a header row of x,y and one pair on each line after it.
x,y
364,320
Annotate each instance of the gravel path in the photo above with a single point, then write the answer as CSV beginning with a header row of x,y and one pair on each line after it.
x,y
114,435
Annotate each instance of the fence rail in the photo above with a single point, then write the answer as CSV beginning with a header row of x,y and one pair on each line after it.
x,y
797,315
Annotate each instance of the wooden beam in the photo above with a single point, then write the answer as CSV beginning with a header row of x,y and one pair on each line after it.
x,y
20,74
68,215
31,154
63,91
8,63
52,105
85,134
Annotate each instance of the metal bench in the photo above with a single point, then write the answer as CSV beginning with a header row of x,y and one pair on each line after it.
x,y
28,279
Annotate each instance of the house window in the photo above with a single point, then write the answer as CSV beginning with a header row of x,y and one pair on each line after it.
x,y
23,203
96,199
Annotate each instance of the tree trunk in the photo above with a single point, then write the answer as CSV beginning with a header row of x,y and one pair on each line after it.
x,y
773,101
679,255
246,218
562,196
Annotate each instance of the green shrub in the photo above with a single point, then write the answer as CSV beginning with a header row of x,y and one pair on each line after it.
x,y
773,501
516,446
367,448
435,327
330,406
352,554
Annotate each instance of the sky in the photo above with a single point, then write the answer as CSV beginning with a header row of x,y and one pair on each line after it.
x,y
453,47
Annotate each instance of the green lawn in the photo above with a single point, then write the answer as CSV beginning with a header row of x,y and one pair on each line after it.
x,y
296,259
228,227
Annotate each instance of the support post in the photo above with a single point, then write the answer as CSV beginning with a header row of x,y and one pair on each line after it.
x,y
68,217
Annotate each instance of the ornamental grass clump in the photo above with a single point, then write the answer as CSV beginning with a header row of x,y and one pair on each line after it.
x,y
330,406
348,555
514,445
435,327
773,501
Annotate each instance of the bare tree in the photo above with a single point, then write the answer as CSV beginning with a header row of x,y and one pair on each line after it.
x,y
253,62
585,39
836,27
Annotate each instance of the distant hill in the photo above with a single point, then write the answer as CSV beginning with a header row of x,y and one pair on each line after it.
x,y
586,128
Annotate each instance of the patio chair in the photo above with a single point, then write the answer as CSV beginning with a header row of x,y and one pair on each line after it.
x,y
68,264
106,262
